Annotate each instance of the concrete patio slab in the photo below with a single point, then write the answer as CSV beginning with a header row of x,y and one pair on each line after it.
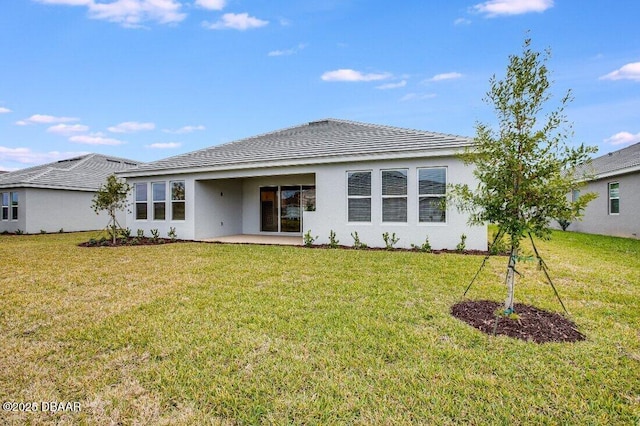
x,y
283,240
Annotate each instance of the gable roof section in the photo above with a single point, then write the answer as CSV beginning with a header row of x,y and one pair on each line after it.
x,y
622,161
84,173
328,140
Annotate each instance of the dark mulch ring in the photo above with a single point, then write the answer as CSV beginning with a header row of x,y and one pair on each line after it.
x,y
529,323
131,241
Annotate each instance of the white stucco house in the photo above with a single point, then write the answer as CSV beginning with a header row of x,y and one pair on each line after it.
x,y
322,176
56,196
615,177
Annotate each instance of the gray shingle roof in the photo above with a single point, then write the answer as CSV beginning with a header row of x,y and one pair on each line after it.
x,y
615,161
87,172
316,140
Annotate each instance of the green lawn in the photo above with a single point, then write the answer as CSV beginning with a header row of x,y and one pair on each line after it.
x,y
233,334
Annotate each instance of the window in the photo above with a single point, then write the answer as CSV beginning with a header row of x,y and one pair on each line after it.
x,y
5,206
309,198
394,195
177,200
432,187
159,197
614,198
14,206
141,201
359,196
575,194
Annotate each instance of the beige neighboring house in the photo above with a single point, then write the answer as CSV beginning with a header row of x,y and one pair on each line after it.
x,y
57,196
616,180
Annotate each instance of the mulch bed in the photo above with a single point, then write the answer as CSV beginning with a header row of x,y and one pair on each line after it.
x,y
532,324
131,241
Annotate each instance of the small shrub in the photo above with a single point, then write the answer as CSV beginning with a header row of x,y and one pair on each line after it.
x,y
424,247
19,232
125,233
462,244
92,242
390,240
140,233
333,241
42,231
308,239
61,231
155,234
564,224
357,244
172,233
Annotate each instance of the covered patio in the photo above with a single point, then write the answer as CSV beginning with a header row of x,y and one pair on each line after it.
x,y
282,240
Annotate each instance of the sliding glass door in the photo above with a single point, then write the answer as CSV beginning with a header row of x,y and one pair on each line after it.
x,y
281,207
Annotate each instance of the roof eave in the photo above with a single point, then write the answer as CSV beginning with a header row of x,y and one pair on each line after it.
x,y
431,152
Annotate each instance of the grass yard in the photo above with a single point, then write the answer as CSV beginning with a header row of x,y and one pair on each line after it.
x,y
197,333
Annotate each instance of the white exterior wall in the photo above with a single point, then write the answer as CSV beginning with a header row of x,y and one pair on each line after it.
x,y
184,228
237,211
331,208
597,219
51,210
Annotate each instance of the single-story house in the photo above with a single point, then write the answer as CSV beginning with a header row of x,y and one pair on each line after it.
x,y
318,177
57,196
615,177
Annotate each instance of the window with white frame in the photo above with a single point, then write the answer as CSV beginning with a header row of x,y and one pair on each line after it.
x,y
359,196
575,194
614,198
432,188
177,200
14,206
394,195
5,206
141,200
159,194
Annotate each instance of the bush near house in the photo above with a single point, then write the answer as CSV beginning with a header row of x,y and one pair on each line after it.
x,y
198,333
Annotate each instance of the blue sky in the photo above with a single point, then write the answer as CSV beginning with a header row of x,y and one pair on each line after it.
x,y
148,79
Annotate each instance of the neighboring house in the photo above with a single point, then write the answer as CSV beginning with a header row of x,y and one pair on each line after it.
x,y
57,196
322,176
615,177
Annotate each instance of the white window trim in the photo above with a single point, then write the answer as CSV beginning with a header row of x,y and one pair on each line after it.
x,y
609,198
446,207
382,197
136,202
171,200
370,197
153,202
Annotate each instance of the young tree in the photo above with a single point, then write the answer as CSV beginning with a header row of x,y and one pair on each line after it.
x,y
112,197
525,169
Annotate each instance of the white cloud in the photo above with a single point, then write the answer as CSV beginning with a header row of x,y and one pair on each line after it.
x,y
164,145
235,21
67,129
627,72
129,13
623,138
185,129
352,75
45,119
392,85
95,139
4,110
27,156
131,127
211,4
417,97
446,76
462,21
288,52
493,8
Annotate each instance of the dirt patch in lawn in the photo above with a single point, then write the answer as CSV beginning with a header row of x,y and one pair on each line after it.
x,y
528,323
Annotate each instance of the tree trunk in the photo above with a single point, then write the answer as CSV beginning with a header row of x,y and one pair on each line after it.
x,y
113,226
511,280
